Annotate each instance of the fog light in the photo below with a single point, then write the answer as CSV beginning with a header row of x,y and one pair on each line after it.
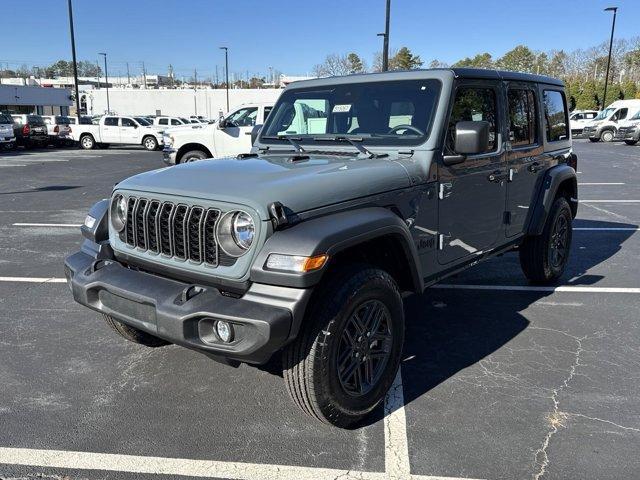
x,y
224,330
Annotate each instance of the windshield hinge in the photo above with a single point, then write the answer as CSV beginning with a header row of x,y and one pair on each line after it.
x,y
278,215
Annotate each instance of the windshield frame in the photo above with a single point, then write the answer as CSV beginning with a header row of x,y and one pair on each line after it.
x,y
369,139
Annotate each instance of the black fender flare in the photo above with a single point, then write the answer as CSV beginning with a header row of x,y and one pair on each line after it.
x,y
551,183
331,234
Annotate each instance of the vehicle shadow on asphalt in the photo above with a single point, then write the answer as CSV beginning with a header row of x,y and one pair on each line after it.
x,y
450,330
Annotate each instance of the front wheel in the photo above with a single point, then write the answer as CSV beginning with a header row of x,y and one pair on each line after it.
x,y
150,143
347,353
607,136
193,156
544,257
631,142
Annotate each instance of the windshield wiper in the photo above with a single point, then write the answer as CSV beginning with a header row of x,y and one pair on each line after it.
x,y
353,141
292,140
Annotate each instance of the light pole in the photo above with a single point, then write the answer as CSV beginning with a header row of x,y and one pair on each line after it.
x,y
75,64
106,80
613,27
385,36
226,72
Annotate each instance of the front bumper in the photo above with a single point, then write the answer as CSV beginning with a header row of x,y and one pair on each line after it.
x,y
4,140
169,155
591,132
185,314
628,133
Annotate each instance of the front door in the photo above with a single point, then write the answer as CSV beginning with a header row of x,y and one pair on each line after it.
x,y
235,136
525,158
128,130
472,194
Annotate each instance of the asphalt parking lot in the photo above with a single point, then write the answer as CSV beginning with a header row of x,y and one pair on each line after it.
x,y
499,380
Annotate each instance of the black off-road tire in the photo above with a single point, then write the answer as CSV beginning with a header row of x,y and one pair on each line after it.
x,y
133,334
193,156
536,250
594,140
310,367
631,142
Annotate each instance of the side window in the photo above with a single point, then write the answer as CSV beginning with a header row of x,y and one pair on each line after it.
x,y
163,121
473,104
245,117
175,122
267,111
577,116
522,117
127,122
555,116
111,121
621,114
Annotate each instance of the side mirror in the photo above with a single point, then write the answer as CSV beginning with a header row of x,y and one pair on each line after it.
x,y
135,125
472,138
255,132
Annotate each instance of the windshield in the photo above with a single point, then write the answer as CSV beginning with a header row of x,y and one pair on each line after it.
x,y
380,113
636,116
605,113
142,121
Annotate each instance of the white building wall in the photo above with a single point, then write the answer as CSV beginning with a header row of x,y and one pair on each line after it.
x,y
174,102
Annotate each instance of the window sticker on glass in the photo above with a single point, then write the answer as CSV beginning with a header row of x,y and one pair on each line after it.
x,y
343,108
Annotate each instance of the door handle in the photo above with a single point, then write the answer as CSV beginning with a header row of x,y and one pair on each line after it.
x,y
535,167
496,176
247,133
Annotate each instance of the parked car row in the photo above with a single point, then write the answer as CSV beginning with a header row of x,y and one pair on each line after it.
x,y
30,130
620,121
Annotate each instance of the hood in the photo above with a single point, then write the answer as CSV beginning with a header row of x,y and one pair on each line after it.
x,y
299,185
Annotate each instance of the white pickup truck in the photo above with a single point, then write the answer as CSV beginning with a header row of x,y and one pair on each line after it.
x,y
119,130
229,136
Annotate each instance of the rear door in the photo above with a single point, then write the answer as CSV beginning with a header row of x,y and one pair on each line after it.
x,y
110,130
472,193
525,153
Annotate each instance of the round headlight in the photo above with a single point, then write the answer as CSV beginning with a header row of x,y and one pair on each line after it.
x,y
236,231
118,212
243,230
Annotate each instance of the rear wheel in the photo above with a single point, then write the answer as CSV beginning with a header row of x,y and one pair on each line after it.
x,y
347,353
87,142
194,156
150,143
133,334
631,142
544,257
607,136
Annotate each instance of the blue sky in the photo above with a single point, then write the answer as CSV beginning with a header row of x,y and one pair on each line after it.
x,y
292,36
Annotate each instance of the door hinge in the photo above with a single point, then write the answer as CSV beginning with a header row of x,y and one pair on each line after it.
x,y
441,192
512,172
440,241
506,218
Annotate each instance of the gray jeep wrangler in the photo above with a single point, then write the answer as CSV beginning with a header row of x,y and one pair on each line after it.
x,y
357,189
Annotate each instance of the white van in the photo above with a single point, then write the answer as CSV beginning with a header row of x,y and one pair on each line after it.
x,y
605,125
579,118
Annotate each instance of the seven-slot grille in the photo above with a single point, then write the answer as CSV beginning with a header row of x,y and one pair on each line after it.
x,y
184,232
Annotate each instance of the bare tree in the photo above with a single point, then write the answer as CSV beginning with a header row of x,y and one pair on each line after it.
x,y
333,65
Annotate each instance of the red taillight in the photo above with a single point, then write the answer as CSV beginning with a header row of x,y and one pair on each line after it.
x,y
26,130
56,129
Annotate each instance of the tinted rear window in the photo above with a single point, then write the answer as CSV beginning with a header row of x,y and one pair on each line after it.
x,y
35,120
4,119
555,116
60,120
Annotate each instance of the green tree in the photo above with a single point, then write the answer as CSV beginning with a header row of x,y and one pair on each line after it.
x,y
520,59
556,67
404,60
541,64
355,63
481,60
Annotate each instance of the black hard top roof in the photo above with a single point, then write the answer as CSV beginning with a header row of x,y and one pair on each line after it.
x,y
505,75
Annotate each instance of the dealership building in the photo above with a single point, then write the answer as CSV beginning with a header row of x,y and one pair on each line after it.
x,y
39,100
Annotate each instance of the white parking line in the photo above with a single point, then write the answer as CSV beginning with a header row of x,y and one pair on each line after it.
x,y
33,279
609,201
74,225
602,183
396,448
536,288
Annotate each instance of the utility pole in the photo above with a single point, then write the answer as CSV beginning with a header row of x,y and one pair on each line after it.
x,y
171,75
98,73
613,27
128,75
385,37
106,80
195,78
217,81
75,63
144,75
226,72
